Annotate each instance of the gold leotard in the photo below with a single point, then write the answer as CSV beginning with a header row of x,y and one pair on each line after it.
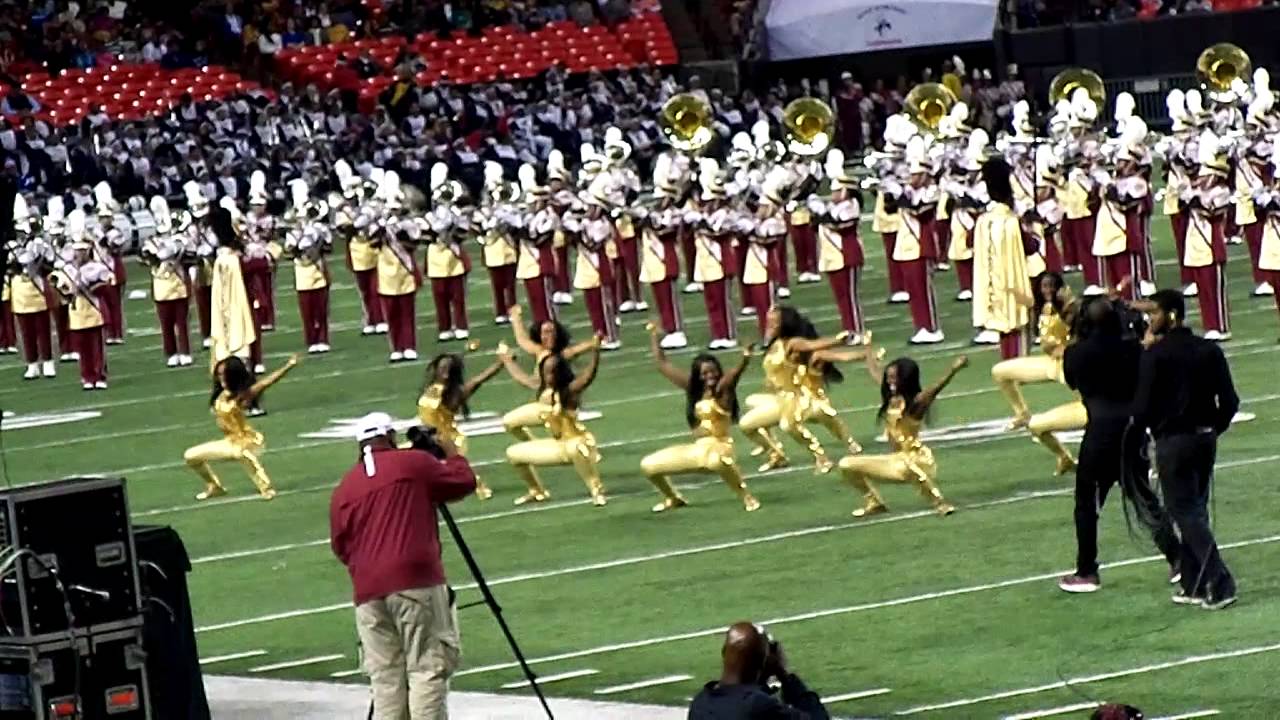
x,y
812,404
240,442
910,461
521,418
571,443
710,451
433,412
776,406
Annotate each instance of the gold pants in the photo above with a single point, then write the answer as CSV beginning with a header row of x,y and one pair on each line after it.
x,y
518,421
199,457
704,455
410,645
1010,375
769,410
1069,416
901,467
580,452
484,492
819,410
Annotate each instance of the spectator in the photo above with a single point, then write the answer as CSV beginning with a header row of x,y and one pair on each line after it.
x,y
750,660
382,521
581,12
400,96
17,102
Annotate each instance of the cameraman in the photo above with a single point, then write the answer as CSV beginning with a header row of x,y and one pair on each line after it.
x,y
750,659
382,526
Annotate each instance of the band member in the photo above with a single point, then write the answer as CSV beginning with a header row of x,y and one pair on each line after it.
x,y
307,242
1053,308
839,250
1267,201
552,338
253,269
761,235
968,200
711,409
78,283
109,247
769,157
1252,173
29,293
713,223
164,253
55,216
903,406
564,200
8,328
890,171
497,222
362,257
194,224
1178,151
594,273
1207,200
1042,222
623,185
1121,226
233,329
571,443
444,399
803,230
1000,264
394,234
447,261
916,201
1079,199
659,258
537,262
261,250
234,391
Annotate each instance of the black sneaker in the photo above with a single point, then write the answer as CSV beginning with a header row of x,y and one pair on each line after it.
x,y
1219,602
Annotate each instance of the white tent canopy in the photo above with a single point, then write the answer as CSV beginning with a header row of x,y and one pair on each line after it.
x,y
811,28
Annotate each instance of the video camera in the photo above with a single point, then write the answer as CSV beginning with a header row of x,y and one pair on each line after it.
x,y
423,437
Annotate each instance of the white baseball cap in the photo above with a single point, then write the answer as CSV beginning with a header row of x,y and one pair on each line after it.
x,y
373,425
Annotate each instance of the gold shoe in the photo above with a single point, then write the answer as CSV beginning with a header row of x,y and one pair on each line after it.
x,y
211,491
775,461
1017,423
944,508
484,492
1065,465
670,503
750,503
871,507
536,496
822,465
268,493
598,499
757,451
855,448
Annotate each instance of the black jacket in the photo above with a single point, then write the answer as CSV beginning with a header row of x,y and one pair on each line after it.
x,y
751,702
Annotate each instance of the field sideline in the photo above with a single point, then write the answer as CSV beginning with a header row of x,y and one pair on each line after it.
x,y
907,614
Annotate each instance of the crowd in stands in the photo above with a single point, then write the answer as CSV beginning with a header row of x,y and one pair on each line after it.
x,y
1044,13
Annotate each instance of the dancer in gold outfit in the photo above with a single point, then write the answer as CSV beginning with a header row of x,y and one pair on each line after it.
x,y
444,397
571,443
903,408
789,338
711,408
233,392
1054,308
553,338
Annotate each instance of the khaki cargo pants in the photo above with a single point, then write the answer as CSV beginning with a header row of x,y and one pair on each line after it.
x,y
411,648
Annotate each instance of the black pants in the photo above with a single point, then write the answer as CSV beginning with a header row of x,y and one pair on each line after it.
x,y
1108,455
1185,465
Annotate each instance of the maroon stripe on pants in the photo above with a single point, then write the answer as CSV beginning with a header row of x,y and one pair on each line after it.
x,y
964,274
805,238
313,306
896,282
37,343
844,286
173,326
602,311
8,330
112,315
664,296
450,297
62,321
1079,232
1253,238
719,314
917,280
538,291
690,251
562,271
1178,223
777,264
627,271
1211,282
503,281
399,313
1120,266
1053,261
93,362
367,284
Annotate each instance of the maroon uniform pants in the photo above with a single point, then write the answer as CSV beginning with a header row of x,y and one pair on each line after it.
x,y
715,294
93,360
690,253
805,238
603,312
1078,234
964,274
37,341
759,297
367,284
174,337
1273,277
917,279
1253,238
399,313
1053,260
204,309
664,296
450,295
562,272
844,286
1014,344
626,271
62,321
109,303
896,282
313,306
8,331
1124,265
503,281
538,291
778,275
1211,282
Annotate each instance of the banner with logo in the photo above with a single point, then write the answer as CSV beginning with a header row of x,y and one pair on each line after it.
x,y
811,28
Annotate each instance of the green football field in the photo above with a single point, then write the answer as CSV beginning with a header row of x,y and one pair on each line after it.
x,y
909,613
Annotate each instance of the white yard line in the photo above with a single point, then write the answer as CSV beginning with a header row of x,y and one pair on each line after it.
x,y
1087,679
296,663
846,697
233,656
1051,712
346,673
835,612
548,679
652,682
1190,715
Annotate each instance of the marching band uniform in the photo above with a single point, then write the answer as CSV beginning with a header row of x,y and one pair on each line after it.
x,y
761,235
564,200
362,257
969,199
1207,200
255,258
839,250
260,254
1178,150
888,169
659,259
398,273
8,329
1121,225
29,295
54,217
164,253
916,203
536,266
1079,200
496,221
803,231
769,156
447,261
1267,201
713,265
622,182
1252,174
78,282
594,273
999,274
307,242
192,224
109,246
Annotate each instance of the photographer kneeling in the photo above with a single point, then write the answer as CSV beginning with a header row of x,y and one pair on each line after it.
x,y
382,526
751,658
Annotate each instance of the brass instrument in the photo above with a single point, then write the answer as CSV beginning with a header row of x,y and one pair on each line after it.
x,y
808,123
928,103
415,201
1219,68
686,122
1065,84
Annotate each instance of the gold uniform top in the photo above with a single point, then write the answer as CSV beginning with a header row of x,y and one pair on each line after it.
x,y
1053,330
563,422
903,432
779,370
714,421
229,416
432,412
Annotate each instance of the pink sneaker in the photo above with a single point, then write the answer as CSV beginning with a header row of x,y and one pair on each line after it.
x,y
1079,583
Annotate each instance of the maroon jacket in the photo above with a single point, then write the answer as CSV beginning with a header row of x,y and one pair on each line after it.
x,y
383,528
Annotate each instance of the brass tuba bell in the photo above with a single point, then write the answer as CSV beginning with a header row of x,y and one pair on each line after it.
x,y
1065,84
686,121
808,123
1220,67
928,103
